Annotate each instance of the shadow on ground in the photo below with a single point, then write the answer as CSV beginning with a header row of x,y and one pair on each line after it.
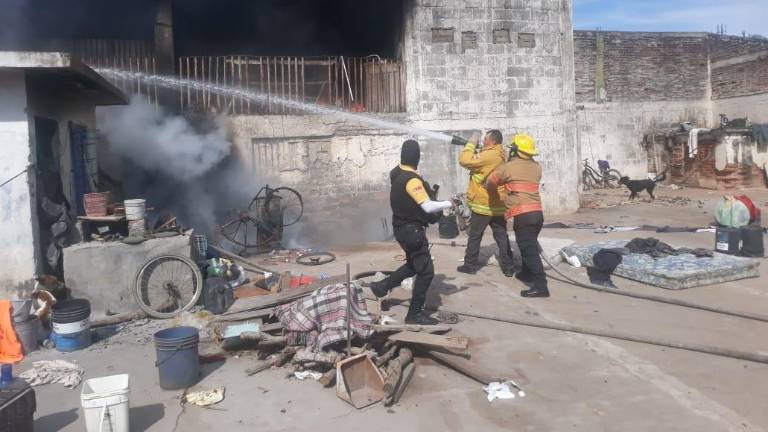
x,y
57,421
143,417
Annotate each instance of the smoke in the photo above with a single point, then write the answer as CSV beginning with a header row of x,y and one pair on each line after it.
x,y
183,168
164,144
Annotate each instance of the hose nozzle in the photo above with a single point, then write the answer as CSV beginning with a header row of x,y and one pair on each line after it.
x,y
457,140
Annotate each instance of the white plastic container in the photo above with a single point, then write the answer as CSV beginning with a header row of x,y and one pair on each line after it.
x,y
105,404
135,209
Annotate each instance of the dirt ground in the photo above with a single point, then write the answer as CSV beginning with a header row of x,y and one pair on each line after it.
x,y
572,382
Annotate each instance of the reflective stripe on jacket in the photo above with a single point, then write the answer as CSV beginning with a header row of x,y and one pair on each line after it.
x,y
480,165
519,179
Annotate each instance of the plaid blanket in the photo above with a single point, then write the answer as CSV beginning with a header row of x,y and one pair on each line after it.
x,y
321,318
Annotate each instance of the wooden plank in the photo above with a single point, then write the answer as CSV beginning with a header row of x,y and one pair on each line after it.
x,y
440,328
245,316
421,338
261,302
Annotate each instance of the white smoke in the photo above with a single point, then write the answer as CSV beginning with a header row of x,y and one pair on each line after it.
x,y
163,143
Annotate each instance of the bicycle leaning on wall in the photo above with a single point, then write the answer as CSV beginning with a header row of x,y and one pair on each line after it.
x,y
606,177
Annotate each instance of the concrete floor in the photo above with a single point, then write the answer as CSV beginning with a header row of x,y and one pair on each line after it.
x,y
573,382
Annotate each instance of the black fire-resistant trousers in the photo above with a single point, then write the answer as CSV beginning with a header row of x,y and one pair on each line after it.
x,y
527,227
418,263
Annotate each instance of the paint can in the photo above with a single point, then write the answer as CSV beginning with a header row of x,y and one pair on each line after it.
x,y
728,240
135,209
71,324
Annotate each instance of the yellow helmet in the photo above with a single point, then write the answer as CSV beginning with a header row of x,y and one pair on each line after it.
x,y
525,144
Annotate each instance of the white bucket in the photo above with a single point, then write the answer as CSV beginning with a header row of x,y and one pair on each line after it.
x,y
134,209
105,404
73,327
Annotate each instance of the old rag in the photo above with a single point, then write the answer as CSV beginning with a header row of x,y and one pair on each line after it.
x,y
321,318
658,249
54,371
10,347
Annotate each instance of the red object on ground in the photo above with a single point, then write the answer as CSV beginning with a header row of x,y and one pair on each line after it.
x,y
754,211
301,281
10,347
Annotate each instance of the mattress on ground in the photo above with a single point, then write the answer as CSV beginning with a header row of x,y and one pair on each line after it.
x,y
672,272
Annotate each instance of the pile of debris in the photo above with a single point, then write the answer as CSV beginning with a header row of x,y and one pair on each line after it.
x,y
330,332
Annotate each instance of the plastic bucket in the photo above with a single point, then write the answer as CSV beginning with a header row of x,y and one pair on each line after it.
x,y
27,332
105,404
447,227
134,209
72,341
728,240
752,241
71,316
96,203
21,310
177,357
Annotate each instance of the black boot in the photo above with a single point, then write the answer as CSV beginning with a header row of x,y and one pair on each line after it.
x,y
420,318
535,292
508,272
468,268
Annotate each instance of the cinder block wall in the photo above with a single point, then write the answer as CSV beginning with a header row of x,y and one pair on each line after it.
x,y
630,83
504,64
470,65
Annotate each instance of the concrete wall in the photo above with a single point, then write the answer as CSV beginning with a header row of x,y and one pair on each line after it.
x,y
615,131
482,79
630,83
17,253
755,107
105,273
341,170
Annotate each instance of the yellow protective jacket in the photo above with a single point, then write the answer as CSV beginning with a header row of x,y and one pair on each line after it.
x,y
480,166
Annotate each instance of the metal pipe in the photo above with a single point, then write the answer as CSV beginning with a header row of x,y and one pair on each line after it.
x,y
349,313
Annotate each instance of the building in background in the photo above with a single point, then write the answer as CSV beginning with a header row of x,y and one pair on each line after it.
x,y
47,105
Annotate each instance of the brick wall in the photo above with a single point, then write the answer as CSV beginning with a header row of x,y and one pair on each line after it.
x,y
639,66
723,47
740,168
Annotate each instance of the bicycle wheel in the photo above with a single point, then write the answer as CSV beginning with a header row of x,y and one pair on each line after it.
x,y
611,178
168,285
587,180
242,231
286,202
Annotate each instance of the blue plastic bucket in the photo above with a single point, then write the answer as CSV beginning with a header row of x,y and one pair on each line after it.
x,y
72,341
177,358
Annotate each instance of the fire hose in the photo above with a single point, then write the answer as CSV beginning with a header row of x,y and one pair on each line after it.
x,y
704,349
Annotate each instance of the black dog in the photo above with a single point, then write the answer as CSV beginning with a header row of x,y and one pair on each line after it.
x,y
637,186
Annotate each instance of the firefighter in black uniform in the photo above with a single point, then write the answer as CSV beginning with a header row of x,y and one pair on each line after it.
x,y
413,208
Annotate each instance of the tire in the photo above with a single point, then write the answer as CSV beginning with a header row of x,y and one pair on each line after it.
x,y
147,270
287,193
612,178
587,181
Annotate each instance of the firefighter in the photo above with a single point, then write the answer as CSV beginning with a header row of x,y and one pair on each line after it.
x,y
413,208
486,205
520,177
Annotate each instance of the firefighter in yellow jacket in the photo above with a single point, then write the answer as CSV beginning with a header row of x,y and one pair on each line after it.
x,y
486,204
520,178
